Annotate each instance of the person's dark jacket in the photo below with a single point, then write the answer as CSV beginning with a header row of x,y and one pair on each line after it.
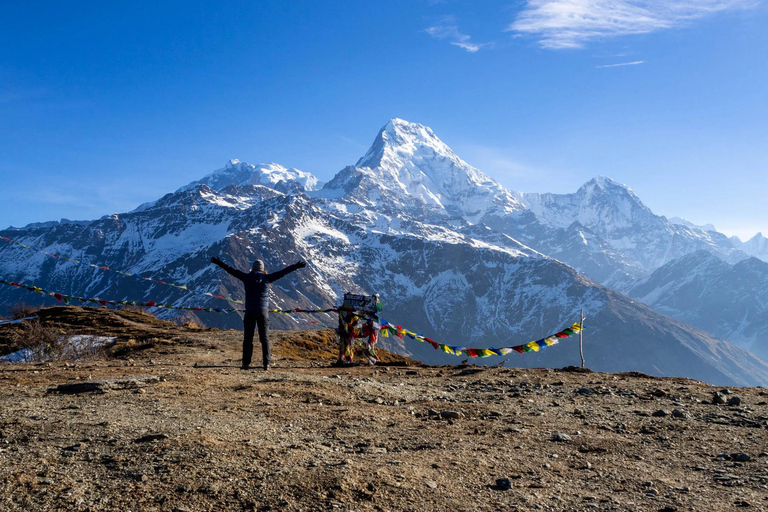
x,y
257,283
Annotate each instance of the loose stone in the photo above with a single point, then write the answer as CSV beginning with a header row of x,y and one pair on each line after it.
x,y
718,399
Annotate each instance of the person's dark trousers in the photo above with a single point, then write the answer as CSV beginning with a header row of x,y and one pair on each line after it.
x,y
251,320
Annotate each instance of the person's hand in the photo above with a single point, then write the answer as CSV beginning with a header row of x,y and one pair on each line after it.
x,y
301,264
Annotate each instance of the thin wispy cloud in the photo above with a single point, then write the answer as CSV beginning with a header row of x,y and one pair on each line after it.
x,y
635,63
561,24
447,30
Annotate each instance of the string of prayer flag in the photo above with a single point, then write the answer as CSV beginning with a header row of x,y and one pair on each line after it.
x,y
532,346
66,299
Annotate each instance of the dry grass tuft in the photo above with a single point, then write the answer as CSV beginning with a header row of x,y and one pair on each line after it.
x,y
130,308
22,310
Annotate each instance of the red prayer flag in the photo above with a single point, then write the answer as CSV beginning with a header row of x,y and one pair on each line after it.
x,y
518,348
58,296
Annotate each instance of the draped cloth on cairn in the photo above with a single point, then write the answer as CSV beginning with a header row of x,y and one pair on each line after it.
x,y
359,327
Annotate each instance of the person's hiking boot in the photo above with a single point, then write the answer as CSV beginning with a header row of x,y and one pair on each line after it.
x,y
267,367
245,367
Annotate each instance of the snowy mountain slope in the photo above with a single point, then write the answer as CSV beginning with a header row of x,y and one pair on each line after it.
x,y
412,222
729,301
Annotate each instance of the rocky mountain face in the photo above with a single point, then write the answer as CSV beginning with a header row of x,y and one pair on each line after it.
x,y
453,254
729,301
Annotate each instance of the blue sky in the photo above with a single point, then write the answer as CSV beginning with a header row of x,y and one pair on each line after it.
x,y
105,105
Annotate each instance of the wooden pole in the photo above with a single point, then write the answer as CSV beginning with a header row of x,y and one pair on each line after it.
x,y
581,338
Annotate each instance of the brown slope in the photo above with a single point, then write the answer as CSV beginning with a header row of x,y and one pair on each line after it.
x,y
136,330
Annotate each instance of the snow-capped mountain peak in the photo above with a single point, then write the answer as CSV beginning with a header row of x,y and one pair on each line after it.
x,y
271,175
685,222
758,241
399,141
408,164
601,204
756,246
613,190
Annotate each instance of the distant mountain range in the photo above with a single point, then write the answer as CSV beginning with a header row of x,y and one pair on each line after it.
x,y
729,301
454,255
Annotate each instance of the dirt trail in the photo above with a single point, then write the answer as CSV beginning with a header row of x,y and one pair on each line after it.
x,y
206,435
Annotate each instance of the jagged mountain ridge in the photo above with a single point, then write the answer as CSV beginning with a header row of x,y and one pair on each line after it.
x,y
437,272
611,220
728,300
603,230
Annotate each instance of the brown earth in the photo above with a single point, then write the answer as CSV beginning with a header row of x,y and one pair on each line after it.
x,y
191,431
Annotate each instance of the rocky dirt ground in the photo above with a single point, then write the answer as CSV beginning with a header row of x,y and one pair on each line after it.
x,y
178,426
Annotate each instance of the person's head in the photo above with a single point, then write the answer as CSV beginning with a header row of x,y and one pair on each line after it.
x,y
258,266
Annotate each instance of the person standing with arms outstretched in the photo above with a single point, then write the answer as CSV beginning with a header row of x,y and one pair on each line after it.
x,y
256,284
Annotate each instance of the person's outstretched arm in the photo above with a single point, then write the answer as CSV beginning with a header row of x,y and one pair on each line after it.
x,y
287,270
231,271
